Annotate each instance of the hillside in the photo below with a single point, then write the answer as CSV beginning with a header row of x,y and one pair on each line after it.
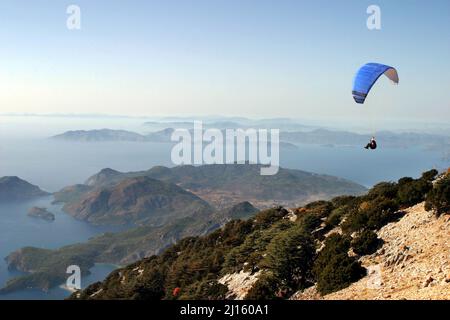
x,y
321,249
140,200
224,185
16,189
413,263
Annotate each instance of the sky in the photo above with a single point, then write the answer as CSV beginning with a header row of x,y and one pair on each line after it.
x,y
254,58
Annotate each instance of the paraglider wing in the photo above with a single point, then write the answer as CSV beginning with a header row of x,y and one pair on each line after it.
x,y
367,76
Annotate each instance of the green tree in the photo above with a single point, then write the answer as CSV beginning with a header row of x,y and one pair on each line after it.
x,y
438,199
333,268
366,242
289,257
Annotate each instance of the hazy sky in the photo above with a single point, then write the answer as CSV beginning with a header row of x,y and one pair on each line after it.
x,y
249,57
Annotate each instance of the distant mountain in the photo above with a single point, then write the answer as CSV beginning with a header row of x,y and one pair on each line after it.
x,y
234,183
16,189
160,136
231,123
289,137
105,135
385,138
138,200
100,135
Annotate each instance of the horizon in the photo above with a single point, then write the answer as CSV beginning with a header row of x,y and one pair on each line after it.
x,y
441,127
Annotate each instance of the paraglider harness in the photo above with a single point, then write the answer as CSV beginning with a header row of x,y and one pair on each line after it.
x,y
371,145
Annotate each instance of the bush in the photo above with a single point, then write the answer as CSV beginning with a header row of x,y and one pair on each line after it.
x,y
265,288
366,243
412,192
429,175
341,201
150,289
339,273
438,199
333,268
320,208
310,222
373,215
333,245
335,217
385,190
205,290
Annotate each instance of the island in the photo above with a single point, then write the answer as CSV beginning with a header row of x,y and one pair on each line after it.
x,y
41,213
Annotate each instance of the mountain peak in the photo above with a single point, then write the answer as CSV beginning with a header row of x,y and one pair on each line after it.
x,y
13,188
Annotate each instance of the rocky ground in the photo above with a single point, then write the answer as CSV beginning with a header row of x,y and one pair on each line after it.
x,y
239,284
413,263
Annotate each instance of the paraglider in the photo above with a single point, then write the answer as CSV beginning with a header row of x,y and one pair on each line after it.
x,y
366,77
372,144
363,82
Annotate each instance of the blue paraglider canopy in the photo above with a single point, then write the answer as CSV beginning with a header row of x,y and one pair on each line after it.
x,y
367,76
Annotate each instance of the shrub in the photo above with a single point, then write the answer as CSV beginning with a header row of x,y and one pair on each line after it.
x,y
265,288
320,208
341,201
266,218
373,215
366,243
381,214
339,273
412,192
438,199
385,190
333,245
150,289
405,180
333,268
335,217
205,290
429,175
310,222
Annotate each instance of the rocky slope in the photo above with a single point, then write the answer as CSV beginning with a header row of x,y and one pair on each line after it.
x,y
413,263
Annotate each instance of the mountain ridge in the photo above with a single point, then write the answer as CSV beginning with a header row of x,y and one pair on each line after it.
x,y
233,183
